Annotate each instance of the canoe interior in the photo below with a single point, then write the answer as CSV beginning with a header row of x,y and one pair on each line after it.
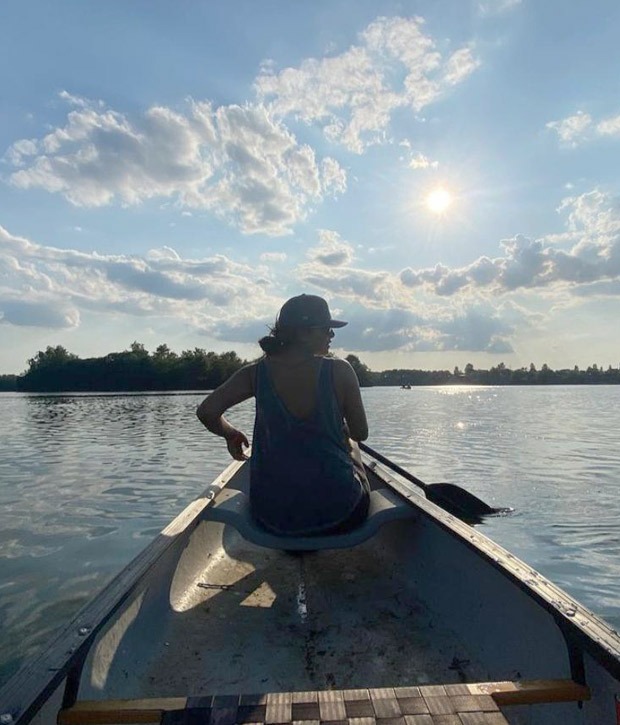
x,y
248,619
428,600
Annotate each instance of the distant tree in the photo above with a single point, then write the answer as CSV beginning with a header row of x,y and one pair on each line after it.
x,y
8,383
163,352
52,356
138,350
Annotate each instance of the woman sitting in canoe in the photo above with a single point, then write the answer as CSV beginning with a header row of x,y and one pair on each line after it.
x,y
306,476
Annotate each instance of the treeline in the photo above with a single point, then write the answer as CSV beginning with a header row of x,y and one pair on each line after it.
x,y
57,370
497,375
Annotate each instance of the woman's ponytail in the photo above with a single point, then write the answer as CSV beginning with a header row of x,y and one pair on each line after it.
x,y
278,340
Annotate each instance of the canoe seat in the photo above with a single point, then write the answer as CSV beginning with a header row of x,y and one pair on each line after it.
x,y
233,507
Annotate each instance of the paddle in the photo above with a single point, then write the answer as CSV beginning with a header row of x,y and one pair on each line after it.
x,y
452,498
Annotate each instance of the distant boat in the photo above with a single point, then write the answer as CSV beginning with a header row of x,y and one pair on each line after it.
x,y
406,387
414,613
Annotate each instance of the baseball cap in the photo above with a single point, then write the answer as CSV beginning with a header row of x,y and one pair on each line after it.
x,y
307,311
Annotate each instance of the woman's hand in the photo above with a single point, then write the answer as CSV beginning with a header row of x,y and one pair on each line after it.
x,y
235,443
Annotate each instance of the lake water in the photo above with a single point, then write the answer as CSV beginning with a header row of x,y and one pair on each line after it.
x,y
86,481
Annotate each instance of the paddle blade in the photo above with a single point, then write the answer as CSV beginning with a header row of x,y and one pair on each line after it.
x,y
459,502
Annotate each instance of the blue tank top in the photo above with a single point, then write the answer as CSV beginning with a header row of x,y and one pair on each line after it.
x,y
302,476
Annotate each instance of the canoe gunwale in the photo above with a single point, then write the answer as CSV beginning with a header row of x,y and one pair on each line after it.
x,y
22,695
596,637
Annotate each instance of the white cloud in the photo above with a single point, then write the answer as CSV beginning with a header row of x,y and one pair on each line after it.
x,y
478,328
331,250
37,312
237,161
459,66
573,129
352,95
367,288
581,127
609,126
420,161
159,284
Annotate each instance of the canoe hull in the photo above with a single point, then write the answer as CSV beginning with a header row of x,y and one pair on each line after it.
x,y
427,600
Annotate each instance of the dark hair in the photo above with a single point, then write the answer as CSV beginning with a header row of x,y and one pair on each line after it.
x,y
279,339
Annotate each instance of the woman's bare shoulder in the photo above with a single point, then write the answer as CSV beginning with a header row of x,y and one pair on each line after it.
x,y
340,364
342,368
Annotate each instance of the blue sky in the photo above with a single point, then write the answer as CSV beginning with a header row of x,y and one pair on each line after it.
x,y
443,172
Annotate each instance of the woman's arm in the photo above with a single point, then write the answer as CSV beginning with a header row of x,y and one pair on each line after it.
x,y
348,392
236,389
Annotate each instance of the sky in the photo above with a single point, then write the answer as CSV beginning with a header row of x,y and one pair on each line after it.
x,y
443,172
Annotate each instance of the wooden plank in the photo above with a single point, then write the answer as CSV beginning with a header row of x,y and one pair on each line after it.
x,y
460,689
357,709
361,694
251,713
309,696
474,703
331,705
279,708
409,692
418,720
433,690
447,720
413,705
119,711
306,711
439,705
385,703
530,692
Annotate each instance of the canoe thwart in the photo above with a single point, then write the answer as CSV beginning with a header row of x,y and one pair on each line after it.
x,y
233,507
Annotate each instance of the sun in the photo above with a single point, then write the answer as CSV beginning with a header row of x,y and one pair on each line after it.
x,y
439,200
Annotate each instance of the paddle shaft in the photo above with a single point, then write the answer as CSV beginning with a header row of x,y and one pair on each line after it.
x,y
394,466
454,499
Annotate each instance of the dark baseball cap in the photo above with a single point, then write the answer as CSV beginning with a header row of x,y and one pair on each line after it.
x,y
307,311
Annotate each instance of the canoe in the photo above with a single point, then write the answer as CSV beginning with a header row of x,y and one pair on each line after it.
x,y
413,619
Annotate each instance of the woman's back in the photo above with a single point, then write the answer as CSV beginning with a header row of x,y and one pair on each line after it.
x,y
303,479
296,384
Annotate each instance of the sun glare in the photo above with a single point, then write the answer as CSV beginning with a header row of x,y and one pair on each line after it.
x,y
439,200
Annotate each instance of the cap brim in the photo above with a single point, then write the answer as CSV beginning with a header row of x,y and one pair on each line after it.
x,y
337,323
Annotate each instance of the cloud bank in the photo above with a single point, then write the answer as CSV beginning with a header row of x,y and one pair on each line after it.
x,y
242,162
235,161
478,307
47,287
